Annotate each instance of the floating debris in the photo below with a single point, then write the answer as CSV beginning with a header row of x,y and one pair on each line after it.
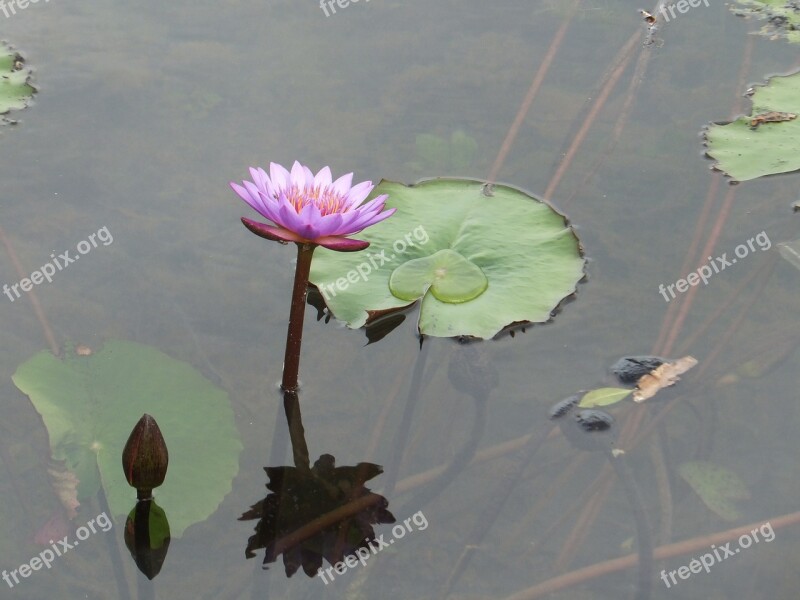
x,y
664,376
772,116
629,369
562,407
591,419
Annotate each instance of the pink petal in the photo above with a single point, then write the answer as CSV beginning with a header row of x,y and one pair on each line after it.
x,y
276,234
342,244
323,178
358,193
342,185
279,176
299,176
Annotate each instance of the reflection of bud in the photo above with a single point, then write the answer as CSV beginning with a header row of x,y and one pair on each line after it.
x,y
145,457
147,536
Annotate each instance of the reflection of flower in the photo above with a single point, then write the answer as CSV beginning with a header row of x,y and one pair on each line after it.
x,y
311,209
300,496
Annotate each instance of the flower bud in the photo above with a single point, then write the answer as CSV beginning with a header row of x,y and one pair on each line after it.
x,y
145,457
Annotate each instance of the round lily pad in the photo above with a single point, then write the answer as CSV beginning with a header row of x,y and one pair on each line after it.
x,y
476,262
450,277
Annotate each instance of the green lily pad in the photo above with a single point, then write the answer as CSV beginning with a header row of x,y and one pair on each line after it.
x,y
450,277
90,404
603,397
717,487
477,263
782,16
745,151
15,91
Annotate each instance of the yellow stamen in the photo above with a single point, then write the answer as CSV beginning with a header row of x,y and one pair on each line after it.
x,y
327,200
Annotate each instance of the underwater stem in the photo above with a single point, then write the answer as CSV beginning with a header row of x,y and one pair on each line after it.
x,y
644,540
291,405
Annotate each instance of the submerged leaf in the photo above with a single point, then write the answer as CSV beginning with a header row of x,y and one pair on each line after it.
x,y
89,405
717,487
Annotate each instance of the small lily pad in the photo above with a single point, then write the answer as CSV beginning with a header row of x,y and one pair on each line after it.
x,y
450,277
717,487
603,397
476,261
756,146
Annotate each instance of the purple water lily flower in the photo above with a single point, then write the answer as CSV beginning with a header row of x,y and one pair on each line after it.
x,y
311,209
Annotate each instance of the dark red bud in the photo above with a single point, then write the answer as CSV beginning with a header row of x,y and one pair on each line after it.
x,y
145,457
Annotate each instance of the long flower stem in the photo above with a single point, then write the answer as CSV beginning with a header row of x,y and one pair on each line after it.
x,y
294,335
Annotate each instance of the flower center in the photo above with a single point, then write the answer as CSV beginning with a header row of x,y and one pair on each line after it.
x,y
327,200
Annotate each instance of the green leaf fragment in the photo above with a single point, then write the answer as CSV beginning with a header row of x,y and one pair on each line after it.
x,y
603,397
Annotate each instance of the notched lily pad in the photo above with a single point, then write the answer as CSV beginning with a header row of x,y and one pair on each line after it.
x,y
765,143
476,262
717,487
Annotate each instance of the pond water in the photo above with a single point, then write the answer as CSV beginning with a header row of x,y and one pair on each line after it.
x,y
145,112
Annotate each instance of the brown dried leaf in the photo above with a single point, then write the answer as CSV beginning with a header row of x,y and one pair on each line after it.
x,y
65,485
664,376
